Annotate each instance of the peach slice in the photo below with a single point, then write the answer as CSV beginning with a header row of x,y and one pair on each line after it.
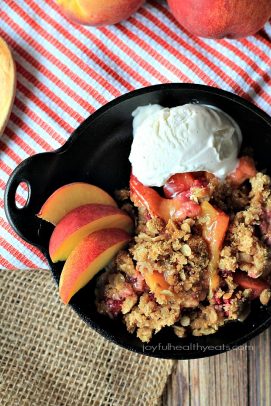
x,y
82,221
214,230
70,196
245,170
156,282
91,255
178,208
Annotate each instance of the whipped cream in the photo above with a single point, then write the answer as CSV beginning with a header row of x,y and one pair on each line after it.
x,y
186,138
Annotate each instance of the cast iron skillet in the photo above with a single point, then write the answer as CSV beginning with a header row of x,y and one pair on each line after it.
x,y
97,152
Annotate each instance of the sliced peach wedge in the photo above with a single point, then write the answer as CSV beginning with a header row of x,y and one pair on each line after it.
x,y
214,230
178,208
91,255
245,170
70,196
82,221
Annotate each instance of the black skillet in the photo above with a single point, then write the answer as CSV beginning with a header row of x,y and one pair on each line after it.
x,y
97,152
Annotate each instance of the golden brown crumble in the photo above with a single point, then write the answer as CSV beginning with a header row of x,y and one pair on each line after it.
x,y
148,317
265,296
179,253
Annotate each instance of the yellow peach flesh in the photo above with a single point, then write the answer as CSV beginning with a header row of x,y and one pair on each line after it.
x,y
91,255
82,221
70,196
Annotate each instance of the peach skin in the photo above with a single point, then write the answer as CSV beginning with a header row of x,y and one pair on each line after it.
x,y
91,255
70,196
221,18
82,221
99,12
8,83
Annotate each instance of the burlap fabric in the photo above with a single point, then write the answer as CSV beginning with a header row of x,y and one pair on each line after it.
x,y
49,357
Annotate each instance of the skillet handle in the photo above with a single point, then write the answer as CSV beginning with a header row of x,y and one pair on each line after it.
x,y
34,171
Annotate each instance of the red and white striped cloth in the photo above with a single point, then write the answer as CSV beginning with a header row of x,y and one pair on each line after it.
x,y
66,71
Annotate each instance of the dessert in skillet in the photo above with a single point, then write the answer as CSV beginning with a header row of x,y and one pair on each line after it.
x,y
201,249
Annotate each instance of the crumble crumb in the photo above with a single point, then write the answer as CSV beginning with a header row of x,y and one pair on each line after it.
x,y
265,296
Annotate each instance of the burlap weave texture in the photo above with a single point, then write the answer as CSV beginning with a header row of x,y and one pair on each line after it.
x,y
49,357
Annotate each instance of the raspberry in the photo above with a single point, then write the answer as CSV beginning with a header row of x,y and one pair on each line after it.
x,y
151,296
224,273
218,300
114,306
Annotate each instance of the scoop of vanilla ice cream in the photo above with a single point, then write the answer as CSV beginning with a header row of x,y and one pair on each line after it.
x,y
181,139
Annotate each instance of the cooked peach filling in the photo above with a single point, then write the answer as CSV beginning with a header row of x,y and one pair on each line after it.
x,y
200,254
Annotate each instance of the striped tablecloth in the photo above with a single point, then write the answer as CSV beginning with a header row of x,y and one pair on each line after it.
x,y
67,71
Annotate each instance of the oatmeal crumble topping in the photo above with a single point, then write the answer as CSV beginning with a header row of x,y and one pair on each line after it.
x,y
162,278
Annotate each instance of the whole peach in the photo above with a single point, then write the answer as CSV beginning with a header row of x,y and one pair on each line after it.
x,y
99,12
221,18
